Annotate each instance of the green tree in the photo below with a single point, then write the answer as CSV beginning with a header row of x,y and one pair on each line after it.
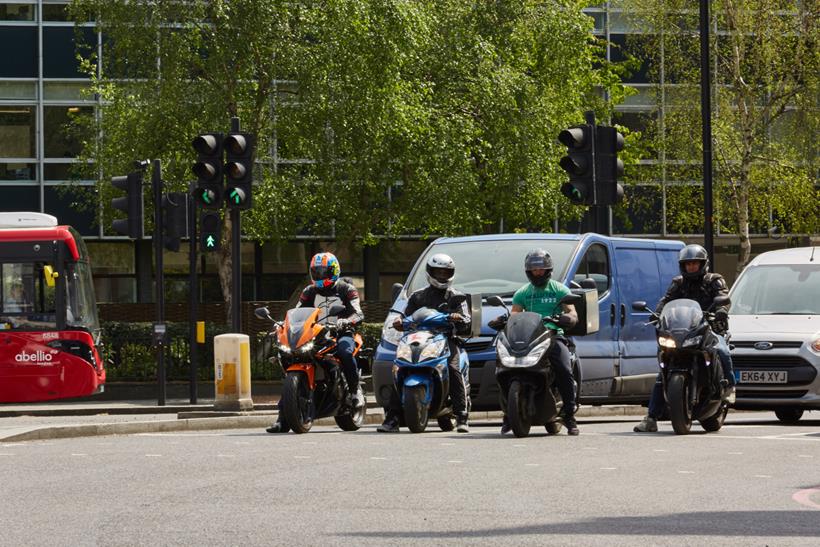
x,y
766,62
375,117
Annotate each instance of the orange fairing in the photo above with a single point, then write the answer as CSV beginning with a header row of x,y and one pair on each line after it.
x,y
309,370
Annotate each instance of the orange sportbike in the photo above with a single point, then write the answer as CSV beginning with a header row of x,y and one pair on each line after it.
x,y
314,386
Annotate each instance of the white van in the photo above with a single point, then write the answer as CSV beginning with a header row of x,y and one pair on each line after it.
x,y
775,325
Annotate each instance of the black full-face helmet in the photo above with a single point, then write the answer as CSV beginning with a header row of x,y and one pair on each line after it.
x,y
538,259
693,253
441,270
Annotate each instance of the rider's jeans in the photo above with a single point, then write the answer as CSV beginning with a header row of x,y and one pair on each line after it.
x,y
345,346
559,358
656,400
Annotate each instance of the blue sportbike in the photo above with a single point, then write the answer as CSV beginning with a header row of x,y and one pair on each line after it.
x,y
420,369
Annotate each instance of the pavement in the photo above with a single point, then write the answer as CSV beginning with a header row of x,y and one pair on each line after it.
x,y
66,419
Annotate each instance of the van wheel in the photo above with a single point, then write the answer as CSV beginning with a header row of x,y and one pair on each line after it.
x,y
789,415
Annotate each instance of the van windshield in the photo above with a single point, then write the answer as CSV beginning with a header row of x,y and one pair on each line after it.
x,y
493,266
781,289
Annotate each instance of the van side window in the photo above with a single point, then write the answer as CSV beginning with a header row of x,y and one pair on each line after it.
x,y
595,265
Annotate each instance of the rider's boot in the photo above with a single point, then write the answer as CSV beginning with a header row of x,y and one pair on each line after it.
x,y
278,426
390,424
570,423
647,425
505,425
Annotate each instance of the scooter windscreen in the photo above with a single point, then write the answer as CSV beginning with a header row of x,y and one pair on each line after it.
x,y
680,316
522,329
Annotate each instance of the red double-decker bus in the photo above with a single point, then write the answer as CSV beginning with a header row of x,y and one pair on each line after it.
x,y
49,329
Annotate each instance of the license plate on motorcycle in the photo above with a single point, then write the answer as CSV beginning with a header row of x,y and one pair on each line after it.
x,y
763,377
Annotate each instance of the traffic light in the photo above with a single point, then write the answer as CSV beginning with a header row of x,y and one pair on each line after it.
x,y
579,163
208,169
239,170
131,205
175,219
608,166
210,231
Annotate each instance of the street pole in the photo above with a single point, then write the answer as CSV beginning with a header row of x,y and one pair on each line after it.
x,y
706,124
193,297
159,327
236,261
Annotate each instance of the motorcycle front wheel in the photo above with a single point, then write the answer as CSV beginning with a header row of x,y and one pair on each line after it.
x,y
296,402
415,409
678,396
520,421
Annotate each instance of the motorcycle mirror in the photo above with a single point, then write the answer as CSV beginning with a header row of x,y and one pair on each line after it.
x,y
495,300
588,283
639,305
263,313
571,299
395,291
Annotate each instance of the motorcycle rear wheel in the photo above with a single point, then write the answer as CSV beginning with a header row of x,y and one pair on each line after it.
x,y
415,409
714,423
679,411
520,421
296,402
353,419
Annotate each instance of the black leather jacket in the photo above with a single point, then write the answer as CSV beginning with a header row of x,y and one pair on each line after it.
x,y
431,297
703,292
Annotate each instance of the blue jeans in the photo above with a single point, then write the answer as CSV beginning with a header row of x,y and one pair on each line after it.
x,y
656,399
344,351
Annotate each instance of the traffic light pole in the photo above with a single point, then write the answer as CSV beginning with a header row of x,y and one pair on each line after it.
x,y
706,111
236,259
193,296
159,327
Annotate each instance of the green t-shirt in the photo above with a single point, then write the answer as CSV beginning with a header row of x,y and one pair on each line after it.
x,y
545,301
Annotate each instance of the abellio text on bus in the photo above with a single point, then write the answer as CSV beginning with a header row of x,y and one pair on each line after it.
x,y
48,313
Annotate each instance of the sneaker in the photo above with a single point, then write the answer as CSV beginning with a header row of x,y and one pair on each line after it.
x,y
731,395
462,426
571,425
647,425
505,426
390,425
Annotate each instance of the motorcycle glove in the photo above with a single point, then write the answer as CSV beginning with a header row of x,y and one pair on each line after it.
x,y
498,323
343,324
457,318
398,325
566,321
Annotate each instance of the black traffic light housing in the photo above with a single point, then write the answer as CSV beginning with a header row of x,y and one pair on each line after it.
x,y
210,231
579,163
608,166
175,219
239,149
209,170
131,204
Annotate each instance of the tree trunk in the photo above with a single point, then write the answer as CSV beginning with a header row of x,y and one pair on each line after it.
x,y
743,227
225,265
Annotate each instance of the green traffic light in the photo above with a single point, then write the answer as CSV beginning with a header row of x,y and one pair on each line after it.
x,y
206,197
210,241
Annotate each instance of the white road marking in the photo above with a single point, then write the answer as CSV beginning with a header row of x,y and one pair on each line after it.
x,y
683,472
735,453
763,476
153,455
660,450
377,458
609,468
6,454
79,454
519,445
302,457
241,442
227,455
310,442
590,448
532,464
805,456
447,444
455,461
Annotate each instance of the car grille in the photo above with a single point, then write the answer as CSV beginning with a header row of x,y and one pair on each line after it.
x,y
768,394
801,372
775,345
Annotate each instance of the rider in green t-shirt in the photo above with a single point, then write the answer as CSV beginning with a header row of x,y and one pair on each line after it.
x,y
543,295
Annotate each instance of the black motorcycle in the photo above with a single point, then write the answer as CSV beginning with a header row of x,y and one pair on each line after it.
x,y
690,367
523,370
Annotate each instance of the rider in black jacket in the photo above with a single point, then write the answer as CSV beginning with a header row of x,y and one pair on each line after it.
x,y
694,283
325,291
441,271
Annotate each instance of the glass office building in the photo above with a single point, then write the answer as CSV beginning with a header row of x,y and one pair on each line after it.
x,y
41,87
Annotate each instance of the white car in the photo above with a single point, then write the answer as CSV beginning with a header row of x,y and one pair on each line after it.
x,y
775,326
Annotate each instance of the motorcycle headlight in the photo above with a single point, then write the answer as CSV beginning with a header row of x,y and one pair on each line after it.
x,y
404,352
284,349
665,342
691,342
432,350
526,361
389,334
305,348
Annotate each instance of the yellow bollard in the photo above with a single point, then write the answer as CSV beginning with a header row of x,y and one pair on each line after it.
x,y
232,372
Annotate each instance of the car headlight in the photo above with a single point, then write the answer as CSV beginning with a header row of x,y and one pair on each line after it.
x,y
389,334
814,345
404,352
691,342
665,342
433,350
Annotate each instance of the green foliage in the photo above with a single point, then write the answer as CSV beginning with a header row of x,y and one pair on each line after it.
x,y
765,116
432,116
